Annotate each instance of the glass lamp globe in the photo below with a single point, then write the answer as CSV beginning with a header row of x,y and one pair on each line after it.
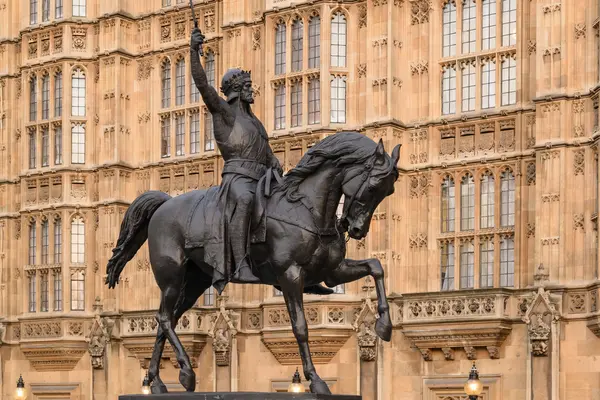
x,y
296,386
146,385
20,393
473,387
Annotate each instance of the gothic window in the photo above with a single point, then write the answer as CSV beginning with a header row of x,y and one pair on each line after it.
x,y
58,145
32,293
488,85
449,30
78,93
297,44
166,3
180,82
468,87
467,266
209,297
45,147
165,137
296,103
314,101
32,243
488,25
58,9
79,8
339,289
509,81
195,133
77,291
449,90
45,10
338,40
448,205
58,241
46,97
209,68
447,266
469,26
507,199
486,262
194,92
487,196
166,84
77,241
57,291
280,49
467,203
44,292
179,135
209,134
507,262
338,100
33,12
78,144
280,107
45,234
314,42
32,150
58,88
509,22
33,99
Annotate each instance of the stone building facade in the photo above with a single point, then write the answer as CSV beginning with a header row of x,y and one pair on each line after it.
x,y
490,242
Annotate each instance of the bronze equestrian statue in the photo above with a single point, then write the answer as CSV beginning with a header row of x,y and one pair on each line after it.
x,y
297,241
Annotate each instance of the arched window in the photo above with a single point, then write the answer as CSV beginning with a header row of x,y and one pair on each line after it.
x,y
58,9
32,292
78,144
468,87
58,241
32,243
509,81
45,234
45,10
195,133
33,12
314,101
46,97
509,22
209,297
448,205
467,203
486,261
180,82
488,84
280,107
487,201
314,42
78,291
45,147
449,90
488,25
79,8
33,99
507,199
209,136
77,241
507,262
280,49
469,26
449,30
58,290
447,266
467,265
166,84
44,291
209,68
58,96
338,40
297,44
165,136
338,99
179,134
32,148
78,93
296,104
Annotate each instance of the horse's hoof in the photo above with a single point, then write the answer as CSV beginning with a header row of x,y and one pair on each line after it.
x,y
187,378
319,387
158,387
383,327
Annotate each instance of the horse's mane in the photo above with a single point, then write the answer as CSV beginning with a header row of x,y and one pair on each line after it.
x,y
342,148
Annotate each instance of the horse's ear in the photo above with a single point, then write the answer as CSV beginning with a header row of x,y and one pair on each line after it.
x,y
380,151
396,155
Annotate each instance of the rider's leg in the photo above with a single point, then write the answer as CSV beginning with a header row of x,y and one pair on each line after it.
x,y
239,236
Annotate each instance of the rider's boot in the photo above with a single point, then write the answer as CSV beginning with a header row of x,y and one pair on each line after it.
x,y
240,227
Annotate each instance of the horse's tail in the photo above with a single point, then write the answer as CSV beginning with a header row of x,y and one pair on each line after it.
x,y
134,232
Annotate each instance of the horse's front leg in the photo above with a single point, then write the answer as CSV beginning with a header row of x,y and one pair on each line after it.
x,y
353,270
292,286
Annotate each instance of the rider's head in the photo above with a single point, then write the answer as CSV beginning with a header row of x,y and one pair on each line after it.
x,y
237,83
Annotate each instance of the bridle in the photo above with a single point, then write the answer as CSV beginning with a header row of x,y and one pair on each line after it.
x,y
366,174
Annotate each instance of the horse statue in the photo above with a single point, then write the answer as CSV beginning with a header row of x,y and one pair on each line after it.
x,y
297,240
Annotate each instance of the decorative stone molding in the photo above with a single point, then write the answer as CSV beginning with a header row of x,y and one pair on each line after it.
x,y
223,331
2,333
53,356
324,345
365,328
541,315
99,337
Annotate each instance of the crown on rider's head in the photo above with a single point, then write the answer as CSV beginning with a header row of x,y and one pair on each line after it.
x,y
235,82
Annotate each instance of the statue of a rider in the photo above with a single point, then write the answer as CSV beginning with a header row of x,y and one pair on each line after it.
x,y
244,146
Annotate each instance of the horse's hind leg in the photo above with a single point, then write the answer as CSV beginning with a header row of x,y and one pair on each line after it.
x,y
157,384
352,270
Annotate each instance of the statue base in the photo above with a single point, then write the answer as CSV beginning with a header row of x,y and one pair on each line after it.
x,y
238,396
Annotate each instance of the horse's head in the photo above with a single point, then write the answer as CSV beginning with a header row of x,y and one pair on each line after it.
x,y
365,186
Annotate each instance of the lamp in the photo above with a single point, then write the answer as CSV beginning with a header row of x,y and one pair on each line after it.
x,y
296,386
146,385
473,387
20,393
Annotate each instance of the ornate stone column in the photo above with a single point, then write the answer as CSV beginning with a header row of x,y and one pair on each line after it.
x,y
98,340
367,348
223,331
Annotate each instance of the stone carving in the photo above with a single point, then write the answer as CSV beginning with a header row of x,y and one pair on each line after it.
x,y
256,38
79,38
2,333
221,346
506,142
451,307
530,173
577,303
579,162
530,229
223,332
531,47
362,16
578,222
578,106
144,69
427,354
364,325
486,142
254,320
209,20
448,353
417,241
494,352
42,330
580,31
419,67
541,315
336,315
419,185
99,337
470,352
593,302
75,328
165,29
362,70
419,11
278,317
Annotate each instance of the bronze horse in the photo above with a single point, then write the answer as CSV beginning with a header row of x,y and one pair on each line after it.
x,y
303,241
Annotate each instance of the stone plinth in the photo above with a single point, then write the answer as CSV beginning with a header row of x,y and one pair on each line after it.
x,y
239,396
